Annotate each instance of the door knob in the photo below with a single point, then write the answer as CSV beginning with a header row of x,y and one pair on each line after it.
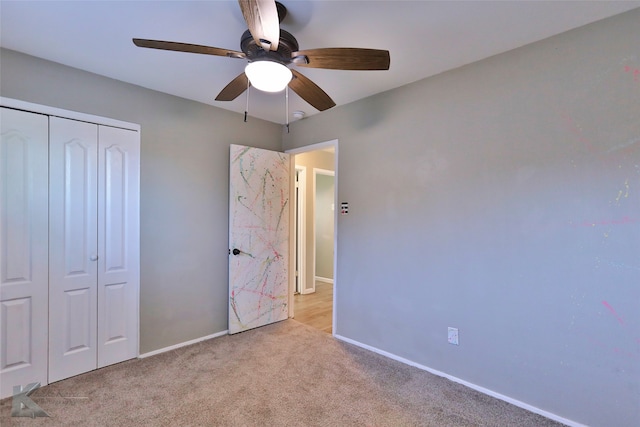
x,y
236,251
93,257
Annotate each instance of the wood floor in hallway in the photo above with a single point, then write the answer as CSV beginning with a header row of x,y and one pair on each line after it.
x,y
315,309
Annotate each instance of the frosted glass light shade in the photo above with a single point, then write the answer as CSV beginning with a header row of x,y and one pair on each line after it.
x,y
268,76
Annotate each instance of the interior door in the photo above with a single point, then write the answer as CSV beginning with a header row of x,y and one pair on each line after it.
x,y
73,241
258,237
24,248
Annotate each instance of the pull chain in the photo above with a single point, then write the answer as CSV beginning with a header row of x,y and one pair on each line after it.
x,y
246,110
286,96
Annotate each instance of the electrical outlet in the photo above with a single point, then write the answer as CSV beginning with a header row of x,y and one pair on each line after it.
x,y
453,336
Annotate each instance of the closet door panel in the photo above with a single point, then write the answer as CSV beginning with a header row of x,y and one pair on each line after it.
x,y
23,249
118,238
73,248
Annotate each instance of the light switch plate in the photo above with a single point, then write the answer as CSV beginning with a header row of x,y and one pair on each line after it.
x,y
453,336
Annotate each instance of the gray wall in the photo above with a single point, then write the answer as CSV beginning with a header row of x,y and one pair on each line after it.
x,y
184,188
501,198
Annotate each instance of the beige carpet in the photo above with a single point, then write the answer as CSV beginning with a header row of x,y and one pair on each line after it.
x,y
286,374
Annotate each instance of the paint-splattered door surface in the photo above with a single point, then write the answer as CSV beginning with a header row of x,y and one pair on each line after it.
x,y
258,238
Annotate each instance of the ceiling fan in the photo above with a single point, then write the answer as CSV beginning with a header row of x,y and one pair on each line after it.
x,y
270,50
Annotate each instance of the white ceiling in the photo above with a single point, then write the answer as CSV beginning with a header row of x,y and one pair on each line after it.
x,y
424,38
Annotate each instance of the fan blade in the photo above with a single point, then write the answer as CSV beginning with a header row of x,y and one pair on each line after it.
x,y
262,20
310,92
234,88
186,47
343,58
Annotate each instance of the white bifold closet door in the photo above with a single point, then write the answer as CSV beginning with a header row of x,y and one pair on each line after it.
x,y
73,243
24,287
93,246
118,244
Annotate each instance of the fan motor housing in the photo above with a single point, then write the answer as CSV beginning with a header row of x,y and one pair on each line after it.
x,y
286,46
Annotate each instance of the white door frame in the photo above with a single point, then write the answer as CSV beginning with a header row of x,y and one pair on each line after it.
x,y
292,285
300,220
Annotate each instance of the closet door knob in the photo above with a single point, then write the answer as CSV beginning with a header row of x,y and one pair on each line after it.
x,y
93,257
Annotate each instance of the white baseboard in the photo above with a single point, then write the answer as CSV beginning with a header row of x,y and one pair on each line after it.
x,y
183,344
465,383
324,280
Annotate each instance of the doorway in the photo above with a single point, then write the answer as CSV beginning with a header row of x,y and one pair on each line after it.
x,y
315,194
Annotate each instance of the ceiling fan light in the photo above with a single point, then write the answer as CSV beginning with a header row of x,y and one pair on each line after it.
x,y
268,76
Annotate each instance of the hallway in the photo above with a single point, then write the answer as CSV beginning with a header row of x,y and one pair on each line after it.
x,y
315,309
